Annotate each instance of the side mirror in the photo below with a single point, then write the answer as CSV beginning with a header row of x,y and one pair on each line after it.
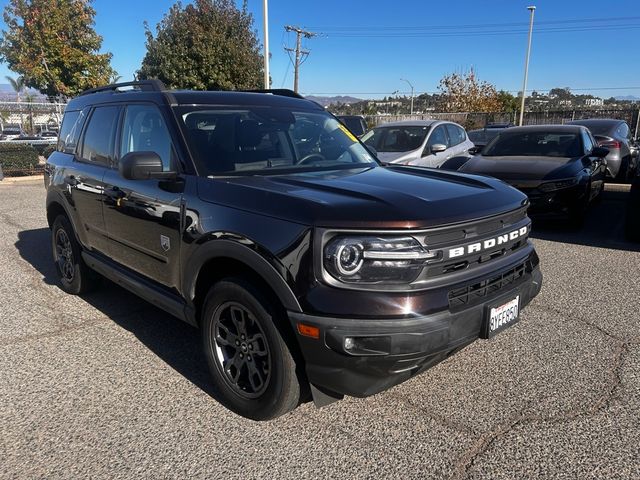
x,y
599,152
143,166
438,147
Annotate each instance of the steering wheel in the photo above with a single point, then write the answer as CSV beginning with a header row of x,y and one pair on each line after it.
x,y
307,158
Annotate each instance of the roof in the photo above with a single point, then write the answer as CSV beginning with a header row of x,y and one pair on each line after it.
x,y
601,122
191,97
411,123
545,129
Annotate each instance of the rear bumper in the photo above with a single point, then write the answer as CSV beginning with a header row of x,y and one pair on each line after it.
x,y
389,351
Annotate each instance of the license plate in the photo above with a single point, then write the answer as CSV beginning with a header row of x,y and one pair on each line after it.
x,y
501,316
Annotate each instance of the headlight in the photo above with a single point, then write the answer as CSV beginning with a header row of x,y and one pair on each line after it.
x,y
372,259
558,185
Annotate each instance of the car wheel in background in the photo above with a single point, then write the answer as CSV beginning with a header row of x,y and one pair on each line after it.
x,y
75,276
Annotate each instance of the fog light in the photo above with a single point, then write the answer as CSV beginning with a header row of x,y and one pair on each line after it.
x,y
349,343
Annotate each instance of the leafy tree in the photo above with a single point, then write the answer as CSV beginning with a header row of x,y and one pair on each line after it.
x,y
561,93
463,92
53,45
508,101
208,45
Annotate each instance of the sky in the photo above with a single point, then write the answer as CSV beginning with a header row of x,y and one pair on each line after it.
x,y
364,47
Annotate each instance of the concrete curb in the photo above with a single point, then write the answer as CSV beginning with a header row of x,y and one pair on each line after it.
x,y
27,179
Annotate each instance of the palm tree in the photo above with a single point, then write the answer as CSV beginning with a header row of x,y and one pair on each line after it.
x,y
29,98
18,86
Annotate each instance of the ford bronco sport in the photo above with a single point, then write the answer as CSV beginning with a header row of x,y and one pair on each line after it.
x,y
310,268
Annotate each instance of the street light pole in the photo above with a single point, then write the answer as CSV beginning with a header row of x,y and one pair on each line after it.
x,y
402,79
532,10
265,15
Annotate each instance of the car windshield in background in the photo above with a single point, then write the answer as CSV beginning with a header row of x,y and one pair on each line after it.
x,y
534,144
396,139
267,140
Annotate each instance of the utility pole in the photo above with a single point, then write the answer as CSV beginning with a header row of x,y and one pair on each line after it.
x,y
532,10
265,15
402,79
300,55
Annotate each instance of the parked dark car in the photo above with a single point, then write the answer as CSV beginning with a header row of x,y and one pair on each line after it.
x,y
308,267
483,136
633,210
355,123
615,135
560,168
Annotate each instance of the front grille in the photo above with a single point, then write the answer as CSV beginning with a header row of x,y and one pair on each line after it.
x,y
473,294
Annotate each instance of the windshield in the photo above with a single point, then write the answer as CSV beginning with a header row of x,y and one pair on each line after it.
x,y
268,140
396,139
534,144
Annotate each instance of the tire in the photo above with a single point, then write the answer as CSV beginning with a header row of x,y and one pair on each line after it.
x,y
75,276
255,379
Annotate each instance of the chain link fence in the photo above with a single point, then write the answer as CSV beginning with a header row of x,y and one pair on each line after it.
x,y
472,121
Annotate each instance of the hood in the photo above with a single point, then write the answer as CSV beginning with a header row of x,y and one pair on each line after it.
x,y
522,167
398,157
383,197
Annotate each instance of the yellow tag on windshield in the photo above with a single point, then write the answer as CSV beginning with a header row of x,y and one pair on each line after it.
x,y
347,133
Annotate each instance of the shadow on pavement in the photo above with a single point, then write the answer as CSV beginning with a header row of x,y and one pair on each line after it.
x,y
175,342
603,227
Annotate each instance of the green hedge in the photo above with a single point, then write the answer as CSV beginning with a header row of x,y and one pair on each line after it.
x,y
18,156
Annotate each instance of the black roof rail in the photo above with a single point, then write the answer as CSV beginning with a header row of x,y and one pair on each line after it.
x,y
283,92
144,85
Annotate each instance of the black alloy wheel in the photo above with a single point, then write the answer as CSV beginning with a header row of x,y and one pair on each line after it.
x,y
75,276
247,343
241,349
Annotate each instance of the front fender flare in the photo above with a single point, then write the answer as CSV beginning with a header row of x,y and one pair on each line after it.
x,y
223,248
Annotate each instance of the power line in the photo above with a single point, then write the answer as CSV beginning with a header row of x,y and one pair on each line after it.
x,y
409,34
598,21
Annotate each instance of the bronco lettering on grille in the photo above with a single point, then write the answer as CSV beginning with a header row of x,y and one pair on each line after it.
x,y
488,243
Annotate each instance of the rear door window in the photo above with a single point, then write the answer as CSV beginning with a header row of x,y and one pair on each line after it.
x,y
97,146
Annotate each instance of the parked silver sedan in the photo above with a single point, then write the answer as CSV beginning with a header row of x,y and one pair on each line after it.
x,y
423,143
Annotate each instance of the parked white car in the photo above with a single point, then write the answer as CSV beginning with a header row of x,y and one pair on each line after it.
x,y
422,143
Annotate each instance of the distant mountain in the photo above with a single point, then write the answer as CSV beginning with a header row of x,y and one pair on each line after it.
x,y
632,98
326,101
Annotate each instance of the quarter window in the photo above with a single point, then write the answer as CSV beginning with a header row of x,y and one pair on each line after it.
x,y
144,130
70,131
97,146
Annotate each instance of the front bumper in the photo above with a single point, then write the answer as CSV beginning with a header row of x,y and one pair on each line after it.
x,y
558,201
391,350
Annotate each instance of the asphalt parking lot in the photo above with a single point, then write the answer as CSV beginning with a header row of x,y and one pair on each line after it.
x,y
108,386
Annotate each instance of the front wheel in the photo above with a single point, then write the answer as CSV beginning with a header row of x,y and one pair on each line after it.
x,y
248,358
